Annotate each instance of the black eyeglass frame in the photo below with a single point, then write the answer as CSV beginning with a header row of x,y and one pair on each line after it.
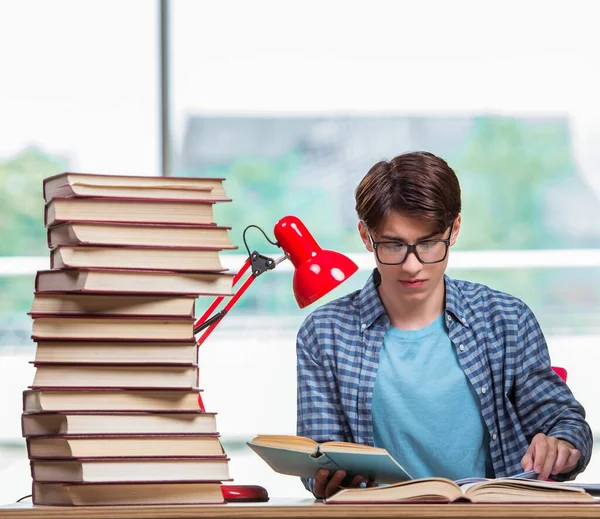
x,y
411,248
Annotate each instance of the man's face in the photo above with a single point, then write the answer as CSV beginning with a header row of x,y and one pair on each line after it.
x,y
411,280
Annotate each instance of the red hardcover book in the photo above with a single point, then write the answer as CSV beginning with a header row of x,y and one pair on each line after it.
x,y
139,234
97,470
128,210
100,422
121,281
132,186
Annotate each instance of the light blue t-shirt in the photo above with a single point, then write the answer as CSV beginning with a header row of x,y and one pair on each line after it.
x,y
425,412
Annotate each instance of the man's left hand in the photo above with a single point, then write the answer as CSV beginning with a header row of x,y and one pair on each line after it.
x,y
548,455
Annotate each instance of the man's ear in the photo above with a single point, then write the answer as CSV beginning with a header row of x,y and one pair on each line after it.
x,y
364,236
455,230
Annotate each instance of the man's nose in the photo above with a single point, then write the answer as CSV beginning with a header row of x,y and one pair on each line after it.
x,y
411,264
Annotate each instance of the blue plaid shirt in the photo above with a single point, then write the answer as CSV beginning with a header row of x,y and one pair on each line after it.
x,y
500,348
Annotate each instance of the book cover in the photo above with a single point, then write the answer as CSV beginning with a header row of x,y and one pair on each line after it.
x,y
112,304
133,186
85,376
99,400
127,494
96,470
113,281
124,445
140,234
192,259
113,327
43,423
128,210
297,456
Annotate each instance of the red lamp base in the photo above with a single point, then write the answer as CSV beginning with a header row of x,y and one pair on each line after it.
x,y
244,493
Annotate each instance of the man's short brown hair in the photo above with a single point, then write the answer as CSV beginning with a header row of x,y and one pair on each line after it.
x,y
417,185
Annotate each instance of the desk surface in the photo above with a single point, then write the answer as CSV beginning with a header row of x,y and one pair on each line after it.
x,y
299,508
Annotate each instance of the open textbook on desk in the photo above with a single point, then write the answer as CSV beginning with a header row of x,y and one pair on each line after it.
x,y
441,490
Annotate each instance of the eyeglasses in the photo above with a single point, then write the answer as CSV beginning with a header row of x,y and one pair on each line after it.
x,y
396,252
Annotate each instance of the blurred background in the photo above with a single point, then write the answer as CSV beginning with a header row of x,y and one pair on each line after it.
x,y
292,102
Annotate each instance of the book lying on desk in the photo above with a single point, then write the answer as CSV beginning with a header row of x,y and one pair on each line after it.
x,y
117,327
114,399
60,210
141,234
134,282
116,376
192,259
441,490
112,304
42,423
117,186
299,456
121,445
117,352
103,494
98,470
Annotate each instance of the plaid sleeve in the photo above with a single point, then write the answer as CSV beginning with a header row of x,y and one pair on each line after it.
x,y
544,402
319,415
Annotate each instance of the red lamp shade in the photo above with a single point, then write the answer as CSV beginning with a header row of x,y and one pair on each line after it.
x,y
317,271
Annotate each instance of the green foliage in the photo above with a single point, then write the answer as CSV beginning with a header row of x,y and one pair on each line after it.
x,y
22,203
505,169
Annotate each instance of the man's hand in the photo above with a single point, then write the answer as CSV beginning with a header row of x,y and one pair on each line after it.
x,y
327,484
548,455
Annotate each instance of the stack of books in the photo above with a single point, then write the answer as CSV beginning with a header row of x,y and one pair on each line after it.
x,y
114,414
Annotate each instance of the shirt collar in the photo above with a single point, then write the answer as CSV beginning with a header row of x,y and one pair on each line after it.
x,y
371,307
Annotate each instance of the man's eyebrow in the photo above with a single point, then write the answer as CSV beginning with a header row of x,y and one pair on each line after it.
x,y
396,238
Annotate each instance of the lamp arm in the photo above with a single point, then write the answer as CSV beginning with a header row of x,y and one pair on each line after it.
x,y
260,264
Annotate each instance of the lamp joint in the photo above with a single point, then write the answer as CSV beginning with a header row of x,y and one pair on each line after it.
x,y
261,263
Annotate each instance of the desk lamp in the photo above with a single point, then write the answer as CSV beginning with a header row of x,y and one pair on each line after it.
x,y
317,271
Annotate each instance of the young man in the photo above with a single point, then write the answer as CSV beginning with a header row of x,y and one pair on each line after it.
x,y
451,377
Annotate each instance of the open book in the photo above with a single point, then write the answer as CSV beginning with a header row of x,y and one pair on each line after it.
x,y
299,456
441,490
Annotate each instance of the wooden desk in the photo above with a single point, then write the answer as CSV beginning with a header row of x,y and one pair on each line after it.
x,y
299,509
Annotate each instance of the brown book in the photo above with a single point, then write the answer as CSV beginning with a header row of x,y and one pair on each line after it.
x,y
140,234
118,352
130,186
121,445
43,423
138,282
99,400
441,490
113,304
60,210
125,257
97,470
109,327
114,376
126,494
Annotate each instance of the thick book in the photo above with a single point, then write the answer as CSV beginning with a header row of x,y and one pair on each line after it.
x,y
441,490
114,376
127,494
44,423
131,257
299,456
118,446
113,327
60,210
131,186
97,470
112,304
118,352
99,400
140,234
133,281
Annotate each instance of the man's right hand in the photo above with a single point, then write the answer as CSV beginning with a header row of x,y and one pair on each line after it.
x,y
327,483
